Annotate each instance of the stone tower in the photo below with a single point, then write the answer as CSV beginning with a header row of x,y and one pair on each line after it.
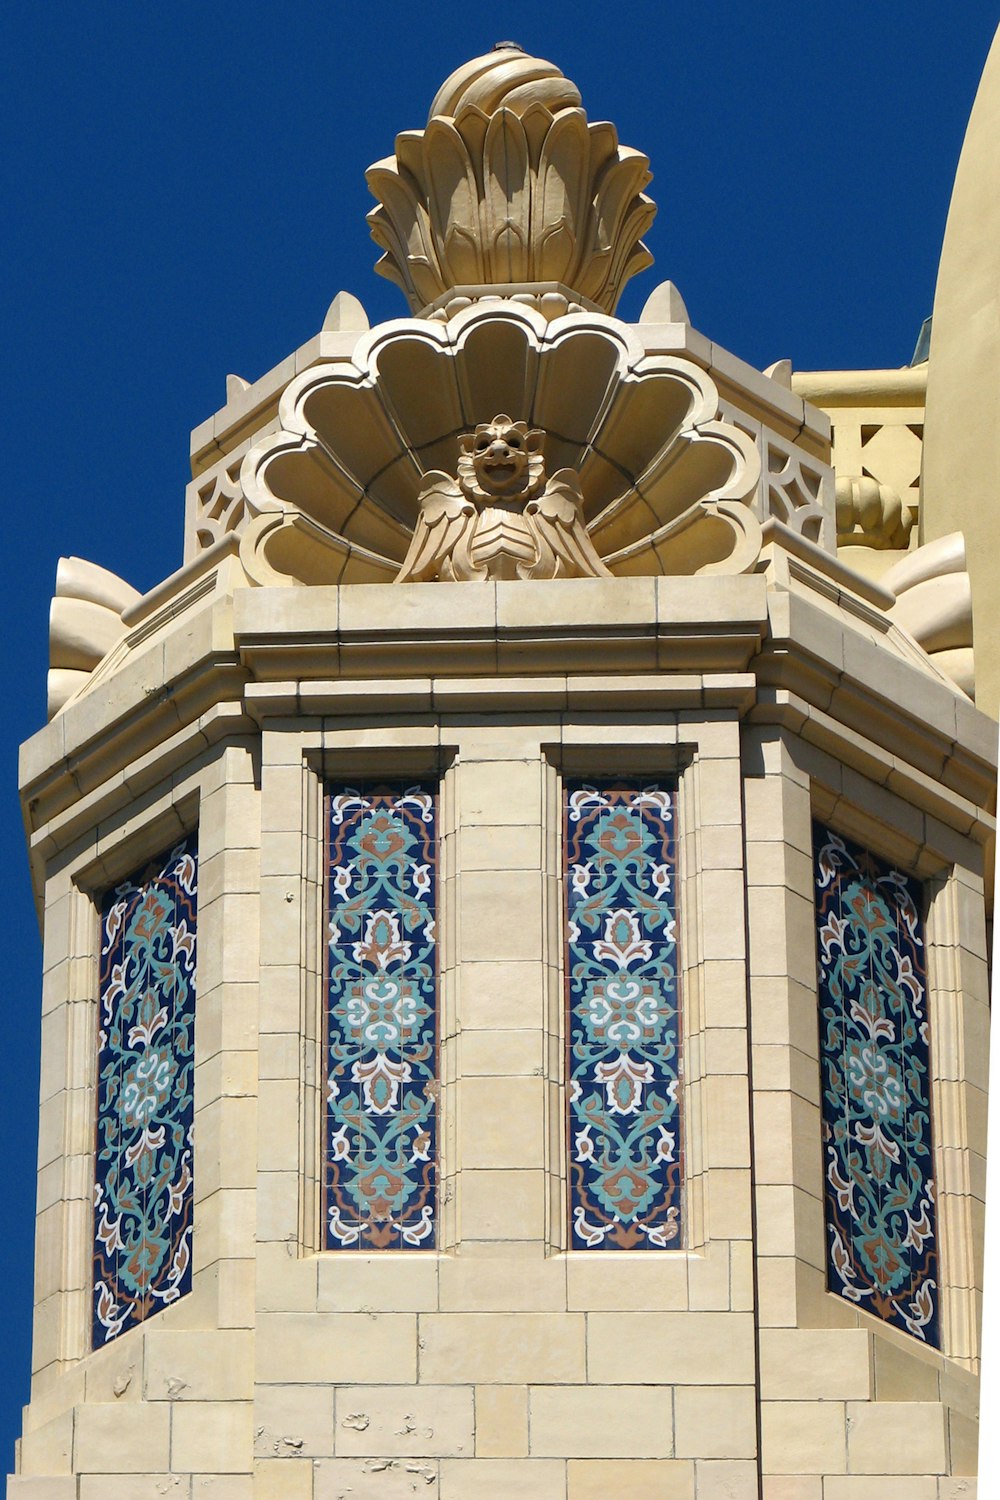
x,y
515,999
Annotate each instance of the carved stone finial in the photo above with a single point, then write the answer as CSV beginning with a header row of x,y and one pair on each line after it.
x,y
502,518
509,187
507,47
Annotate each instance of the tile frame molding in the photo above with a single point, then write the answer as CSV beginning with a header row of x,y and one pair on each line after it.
x,y
952,908
300,754
949,864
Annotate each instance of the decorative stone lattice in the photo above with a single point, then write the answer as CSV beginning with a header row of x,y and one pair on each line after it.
x,y
794,487
144,1191
220,505
380,1147
875,1061
623,1028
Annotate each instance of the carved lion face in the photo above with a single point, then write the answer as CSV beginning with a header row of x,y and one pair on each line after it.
x,y
502,460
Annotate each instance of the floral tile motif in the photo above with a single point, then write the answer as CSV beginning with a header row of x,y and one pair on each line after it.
x,y
144,1187
875,1060
380,1123
623,1024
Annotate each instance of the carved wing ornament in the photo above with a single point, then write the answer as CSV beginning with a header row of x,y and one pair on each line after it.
x,y
595,459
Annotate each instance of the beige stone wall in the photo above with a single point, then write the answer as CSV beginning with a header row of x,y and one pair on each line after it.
x,y
962,462
503,1365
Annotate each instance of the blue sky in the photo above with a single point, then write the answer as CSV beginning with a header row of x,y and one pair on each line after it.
x,y
184,194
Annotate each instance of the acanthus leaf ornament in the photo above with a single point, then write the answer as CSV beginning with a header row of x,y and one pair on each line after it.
x,y
510,187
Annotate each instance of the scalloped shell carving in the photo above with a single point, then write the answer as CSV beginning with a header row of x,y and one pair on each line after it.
x,y
509,184
667,485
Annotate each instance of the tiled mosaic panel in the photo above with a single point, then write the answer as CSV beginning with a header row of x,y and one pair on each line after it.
x,y
380,1119
623,1025
144,1184
875,1061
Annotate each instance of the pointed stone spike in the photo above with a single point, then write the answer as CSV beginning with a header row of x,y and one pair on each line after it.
x,y
781,371
345,313
664,305
235,386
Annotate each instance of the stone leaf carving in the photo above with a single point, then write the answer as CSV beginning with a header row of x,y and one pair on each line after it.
x,y
502,518
662,483
510,184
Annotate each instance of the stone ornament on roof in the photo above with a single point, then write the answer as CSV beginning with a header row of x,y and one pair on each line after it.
x,y
509,186
662,484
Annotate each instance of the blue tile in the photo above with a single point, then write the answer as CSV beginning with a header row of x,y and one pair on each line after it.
x,y
144,1179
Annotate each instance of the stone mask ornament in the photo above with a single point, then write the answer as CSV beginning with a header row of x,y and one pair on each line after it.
x,y
501,517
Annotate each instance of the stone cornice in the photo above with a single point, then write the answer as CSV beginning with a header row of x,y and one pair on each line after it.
x,y
770,650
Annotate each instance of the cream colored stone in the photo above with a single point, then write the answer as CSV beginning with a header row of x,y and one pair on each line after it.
x,y
828,1364
632,1283
884,1487
392,1283
135,1487
375,1479
283,1479
963,1444
137,1435
501,1122
23,1487
902,1375
706,1348
601,1422
501,1054
495,847
505,1348
501,1421
211,1435
502,1204
896,1437
728,1205
225,1226
726,1479
284,1283
202,1366
709,1278
503,1479
340,1347
49,1447
425,1421
790,1222
494,794
503,1283
715,1422
222,1486
293,1421
656,1479
803,1437
727,1109
802,1487
500,916
504,996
